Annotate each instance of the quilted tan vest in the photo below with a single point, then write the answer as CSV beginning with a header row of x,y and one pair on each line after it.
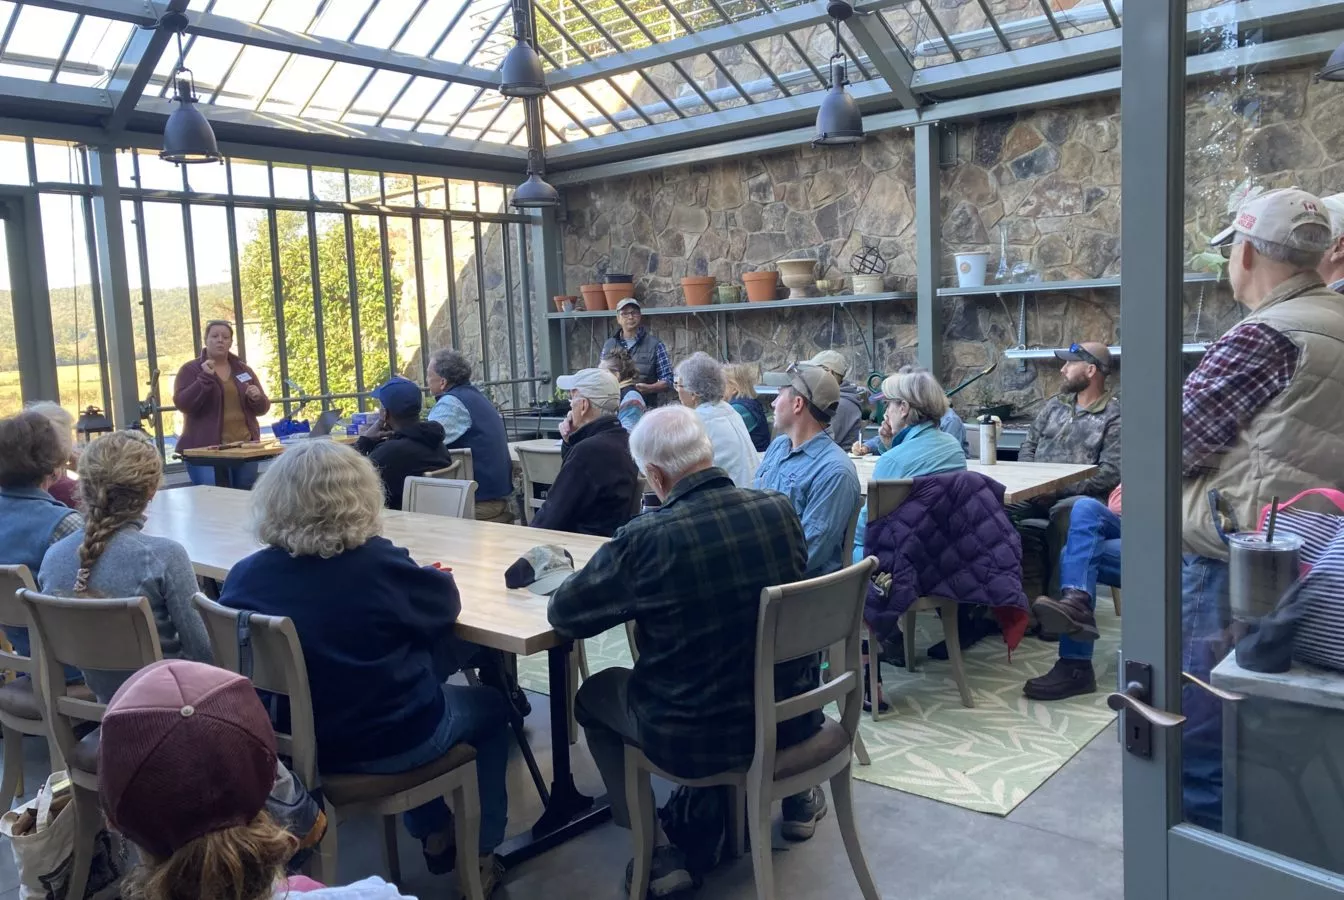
x,y
1294,443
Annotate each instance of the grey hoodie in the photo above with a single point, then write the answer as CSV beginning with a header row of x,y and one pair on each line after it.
x,y
846,424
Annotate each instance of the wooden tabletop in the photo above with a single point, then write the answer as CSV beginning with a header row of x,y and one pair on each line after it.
x,y
1022,480
212,524
252,450
542,445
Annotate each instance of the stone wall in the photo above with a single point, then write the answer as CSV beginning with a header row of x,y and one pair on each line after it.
x,y
1045,183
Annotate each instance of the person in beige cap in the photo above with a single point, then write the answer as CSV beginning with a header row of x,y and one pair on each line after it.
x,y
847,423
1331,268
804,464
1259,419
185,763
649,354
594,493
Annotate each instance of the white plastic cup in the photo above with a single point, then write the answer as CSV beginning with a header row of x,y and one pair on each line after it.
x,y
971,269
989,440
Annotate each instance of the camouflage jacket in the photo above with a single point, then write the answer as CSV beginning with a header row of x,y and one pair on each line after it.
x,y
1064,433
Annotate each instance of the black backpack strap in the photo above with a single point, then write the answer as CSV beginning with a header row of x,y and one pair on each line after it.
x,y
245,644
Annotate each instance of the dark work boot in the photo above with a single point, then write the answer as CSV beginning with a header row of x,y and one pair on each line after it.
x,y
1070,615
1069,678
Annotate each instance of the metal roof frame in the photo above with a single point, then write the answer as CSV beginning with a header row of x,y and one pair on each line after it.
x,y
637,117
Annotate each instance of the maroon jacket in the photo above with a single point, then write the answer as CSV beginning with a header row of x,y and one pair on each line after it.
x,y
199,396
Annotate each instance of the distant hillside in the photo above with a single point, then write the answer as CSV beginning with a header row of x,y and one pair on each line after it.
x,y
73,322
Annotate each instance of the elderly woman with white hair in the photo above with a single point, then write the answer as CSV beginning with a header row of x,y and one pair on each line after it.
x,y
700,385
377,636
915,405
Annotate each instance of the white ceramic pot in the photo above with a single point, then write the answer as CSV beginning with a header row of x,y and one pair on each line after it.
x,y
869,284
971,269
798,275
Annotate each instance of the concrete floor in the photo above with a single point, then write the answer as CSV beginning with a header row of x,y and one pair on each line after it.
x,y
1062,843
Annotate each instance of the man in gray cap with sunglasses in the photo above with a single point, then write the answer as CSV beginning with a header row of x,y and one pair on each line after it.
x,y
810,468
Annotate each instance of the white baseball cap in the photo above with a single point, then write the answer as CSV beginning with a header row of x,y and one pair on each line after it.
x,y
1276,217
1334,205
832,361
597,385
628,301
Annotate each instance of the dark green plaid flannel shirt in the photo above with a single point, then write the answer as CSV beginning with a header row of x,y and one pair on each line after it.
x,y
690,575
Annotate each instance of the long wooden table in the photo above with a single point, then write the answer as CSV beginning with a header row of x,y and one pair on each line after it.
x,y
225,459
211,523
1022,480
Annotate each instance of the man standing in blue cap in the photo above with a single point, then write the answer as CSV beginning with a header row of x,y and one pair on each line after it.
x,y
399,444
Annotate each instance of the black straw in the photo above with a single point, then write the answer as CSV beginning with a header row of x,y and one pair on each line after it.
x,y
1273,517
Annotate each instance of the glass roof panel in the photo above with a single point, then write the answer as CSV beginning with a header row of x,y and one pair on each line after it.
x,y
292,15
294,85
335,91
94,52
385,22
256,68
36,42
480,19
429,28
340,19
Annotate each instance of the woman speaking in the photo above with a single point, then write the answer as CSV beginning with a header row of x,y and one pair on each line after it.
x,y
220,398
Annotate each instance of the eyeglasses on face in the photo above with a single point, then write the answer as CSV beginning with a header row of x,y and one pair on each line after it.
x,y
629,312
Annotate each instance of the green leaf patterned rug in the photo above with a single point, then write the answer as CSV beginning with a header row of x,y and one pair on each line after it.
x,y
988,759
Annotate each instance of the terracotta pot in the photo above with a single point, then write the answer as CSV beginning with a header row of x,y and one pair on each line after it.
x,y
761,286
593,296
699,289
615,293
560,301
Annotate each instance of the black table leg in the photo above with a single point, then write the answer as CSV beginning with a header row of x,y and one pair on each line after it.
x,y
569,813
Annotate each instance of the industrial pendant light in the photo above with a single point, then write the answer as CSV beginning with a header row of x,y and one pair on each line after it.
x,y
534,193
521,74
1334,67
838,120
188,137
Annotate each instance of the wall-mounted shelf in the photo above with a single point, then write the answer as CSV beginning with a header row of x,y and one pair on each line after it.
x,y
840,300
1049,352
1055,287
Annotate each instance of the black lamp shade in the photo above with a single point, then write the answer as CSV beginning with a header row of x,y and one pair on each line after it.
x,y
535,194
188,137
1334,67
838,120
521,74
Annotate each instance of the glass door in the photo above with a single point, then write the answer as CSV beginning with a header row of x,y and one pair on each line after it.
x,y
1232,680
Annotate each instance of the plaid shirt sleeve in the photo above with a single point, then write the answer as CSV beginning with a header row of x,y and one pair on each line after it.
x,y
664,363
1241,372
67,526
594,598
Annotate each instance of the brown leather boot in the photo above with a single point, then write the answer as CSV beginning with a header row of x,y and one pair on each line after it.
x,y
1070,615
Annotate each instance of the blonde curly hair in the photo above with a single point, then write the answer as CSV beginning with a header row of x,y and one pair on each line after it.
x,y
320,498
741,380
118,476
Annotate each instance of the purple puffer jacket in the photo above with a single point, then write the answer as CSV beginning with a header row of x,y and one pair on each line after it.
x,y
950,538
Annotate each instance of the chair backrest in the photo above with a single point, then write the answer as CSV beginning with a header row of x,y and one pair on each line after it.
x,y
468,472
800,620
540,469
275,663
439,497
452,470
12,580
850,527
884,496
637,501
117,635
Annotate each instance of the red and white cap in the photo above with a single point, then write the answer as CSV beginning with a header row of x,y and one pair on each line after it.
x,y
1276,217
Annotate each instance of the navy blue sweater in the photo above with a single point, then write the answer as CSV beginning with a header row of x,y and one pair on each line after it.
x,y
377,636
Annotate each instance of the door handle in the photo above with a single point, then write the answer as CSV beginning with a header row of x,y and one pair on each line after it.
x,y
1133,698
1220,693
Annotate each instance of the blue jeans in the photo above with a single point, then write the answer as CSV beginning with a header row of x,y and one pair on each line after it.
x,y
241,477
1205,617
478,716
1091,553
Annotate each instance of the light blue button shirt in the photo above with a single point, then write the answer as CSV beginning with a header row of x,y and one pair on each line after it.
x,y
920,450
822,484
450,412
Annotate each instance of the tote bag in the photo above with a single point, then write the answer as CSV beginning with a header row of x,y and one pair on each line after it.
x,y
42,835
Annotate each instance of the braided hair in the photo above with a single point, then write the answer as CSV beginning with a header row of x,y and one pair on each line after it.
x,y
118,475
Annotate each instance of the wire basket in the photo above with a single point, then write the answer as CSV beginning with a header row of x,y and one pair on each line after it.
x,y
868,262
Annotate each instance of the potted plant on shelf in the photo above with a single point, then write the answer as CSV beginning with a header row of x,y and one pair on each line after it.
x,y
761,286
699,289
593,296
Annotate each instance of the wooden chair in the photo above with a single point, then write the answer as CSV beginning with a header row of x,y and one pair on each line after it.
x,y
883,497
453,470
468,470
439,496
540,468
21,701
277,665
114,635
796,621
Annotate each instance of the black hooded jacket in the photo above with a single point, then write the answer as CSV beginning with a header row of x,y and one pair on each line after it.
x,y
409,450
